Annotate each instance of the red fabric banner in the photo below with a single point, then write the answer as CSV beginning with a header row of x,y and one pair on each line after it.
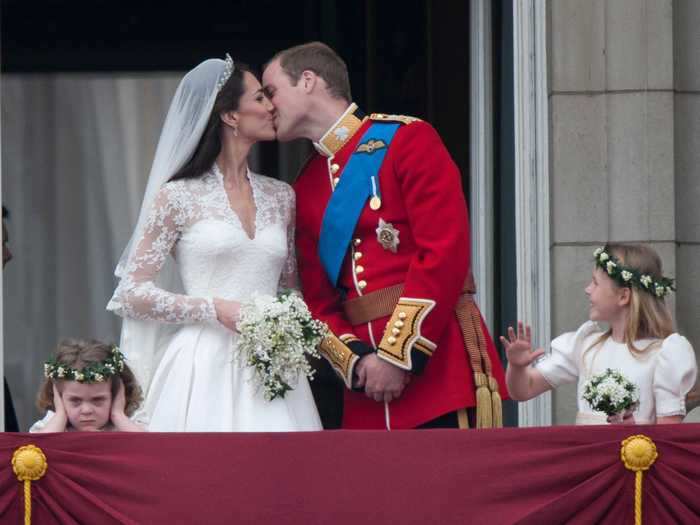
x,y
525,476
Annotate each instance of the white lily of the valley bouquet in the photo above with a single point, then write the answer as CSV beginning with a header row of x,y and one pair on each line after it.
x,y
611,392
276,336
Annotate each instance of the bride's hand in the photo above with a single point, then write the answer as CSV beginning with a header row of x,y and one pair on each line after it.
x,y
227,312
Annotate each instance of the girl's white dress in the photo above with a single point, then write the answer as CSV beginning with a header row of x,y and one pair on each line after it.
x,y
664,374
198,384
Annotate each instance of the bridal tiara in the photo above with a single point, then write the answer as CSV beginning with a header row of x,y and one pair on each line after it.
x,y
229,67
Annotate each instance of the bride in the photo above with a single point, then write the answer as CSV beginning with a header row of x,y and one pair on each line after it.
x,y
230,233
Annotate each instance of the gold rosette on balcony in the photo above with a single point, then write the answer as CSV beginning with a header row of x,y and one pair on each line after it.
x,y
638,454
29,464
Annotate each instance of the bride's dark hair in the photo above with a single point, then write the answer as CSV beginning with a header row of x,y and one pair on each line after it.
x,y
210,144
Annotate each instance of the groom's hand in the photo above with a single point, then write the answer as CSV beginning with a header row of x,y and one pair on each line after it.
x,y
382,381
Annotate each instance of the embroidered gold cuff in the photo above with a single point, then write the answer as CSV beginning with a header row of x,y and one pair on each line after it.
x,y
402,334
341,358
347,338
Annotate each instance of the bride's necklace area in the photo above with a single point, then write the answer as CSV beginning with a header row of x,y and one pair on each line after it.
x,y
241,199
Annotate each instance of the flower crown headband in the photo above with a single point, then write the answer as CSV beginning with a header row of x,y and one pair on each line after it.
x,y
229,67
95,373
627,276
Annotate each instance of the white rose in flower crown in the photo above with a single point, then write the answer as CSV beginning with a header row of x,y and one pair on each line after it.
x,y
645,280
626,275
597,252
604,257
610,266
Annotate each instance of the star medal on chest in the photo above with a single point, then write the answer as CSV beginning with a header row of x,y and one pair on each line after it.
x,y
387,236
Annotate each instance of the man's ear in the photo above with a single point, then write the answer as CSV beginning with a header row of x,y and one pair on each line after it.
x,y
308,80
230,118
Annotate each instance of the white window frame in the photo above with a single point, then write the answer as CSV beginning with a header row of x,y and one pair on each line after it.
x,y
532,210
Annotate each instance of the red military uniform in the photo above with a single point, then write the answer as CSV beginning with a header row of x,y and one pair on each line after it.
x,y
418,237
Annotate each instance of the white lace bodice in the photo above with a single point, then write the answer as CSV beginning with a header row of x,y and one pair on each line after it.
x,y
192,220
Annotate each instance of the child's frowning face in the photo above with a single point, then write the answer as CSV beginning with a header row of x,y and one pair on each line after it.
x,y
87,405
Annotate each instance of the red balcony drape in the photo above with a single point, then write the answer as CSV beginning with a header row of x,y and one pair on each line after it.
x,y
527,476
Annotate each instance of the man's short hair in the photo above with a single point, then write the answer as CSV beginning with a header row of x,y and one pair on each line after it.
x,y
322,60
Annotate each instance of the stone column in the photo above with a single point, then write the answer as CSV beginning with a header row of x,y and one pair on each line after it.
x,y
611,145
686,38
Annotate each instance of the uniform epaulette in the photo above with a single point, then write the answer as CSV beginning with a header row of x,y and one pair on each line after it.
x,y
404,119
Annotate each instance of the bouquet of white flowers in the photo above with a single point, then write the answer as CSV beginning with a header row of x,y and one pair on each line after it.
x,y
610,392
277,335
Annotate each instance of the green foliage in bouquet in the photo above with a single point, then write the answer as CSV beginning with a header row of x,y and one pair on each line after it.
x,y
278,334
610,392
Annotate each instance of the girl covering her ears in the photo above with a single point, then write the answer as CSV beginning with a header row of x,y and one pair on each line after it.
x,y
88,387
627,293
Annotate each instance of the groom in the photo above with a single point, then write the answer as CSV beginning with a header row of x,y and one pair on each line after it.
x,y
383,250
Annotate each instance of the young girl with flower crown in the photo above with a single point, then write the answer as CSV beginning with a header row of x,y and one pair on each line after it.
x,y
627,292
88,387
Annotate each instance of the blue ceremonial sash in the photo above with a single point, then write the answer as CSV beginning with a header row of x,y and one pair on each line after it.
x,y
350,195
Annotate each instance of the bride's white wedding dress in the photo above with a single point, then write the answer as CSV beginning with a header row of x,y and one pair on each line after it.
x,y
198,384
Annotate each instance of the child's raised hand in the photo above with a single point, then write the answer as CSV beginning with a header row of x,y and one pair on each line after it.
x,y
519,346
119,401
118,415
58,405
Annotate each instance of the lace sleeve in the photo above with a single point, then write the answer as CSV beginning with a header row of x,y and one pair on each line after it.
x,y
290,278
137,295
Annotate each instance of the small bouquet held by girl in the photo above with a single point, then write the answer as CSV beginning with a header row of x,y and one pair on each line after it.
x,y
277,334
613,394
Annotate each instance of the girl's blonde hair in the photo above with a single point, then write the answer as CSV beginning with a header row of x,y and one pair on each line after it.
x,y
649,316
80,353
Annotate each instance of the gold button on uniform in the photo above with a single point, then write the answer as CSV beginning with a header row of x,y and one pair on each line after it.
x,y
336,180
359,269
357,256
399,324
395,331
402,315
334,168
362,285
391,339
357,242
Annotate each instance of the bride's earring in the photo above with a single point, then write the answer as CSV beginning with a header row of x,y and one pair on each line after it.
x,y
235,131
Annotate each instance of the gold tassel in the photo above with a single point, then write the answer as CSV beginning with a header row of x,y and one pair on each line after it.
x,y
496,402
484,413
462,419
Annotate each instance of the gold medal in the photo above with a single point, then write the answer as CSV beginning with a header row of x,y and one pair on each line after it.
x,y
375,203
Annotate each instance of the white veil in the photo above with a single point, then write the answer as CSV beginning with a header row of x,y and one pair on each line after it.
x,y
143,341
